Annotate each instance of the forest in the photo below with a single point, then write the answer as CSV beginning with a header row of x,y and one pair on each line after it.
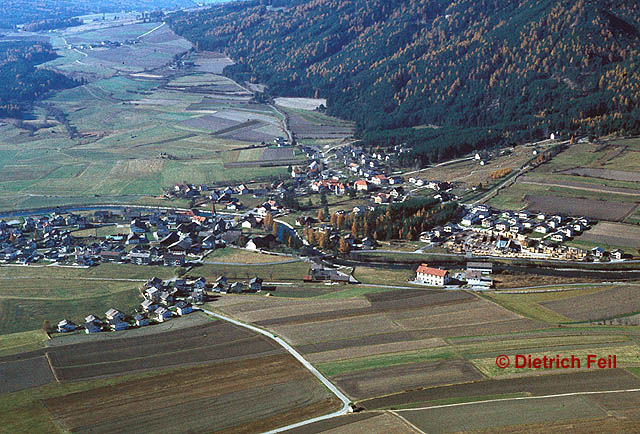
x,y
477,73
22,82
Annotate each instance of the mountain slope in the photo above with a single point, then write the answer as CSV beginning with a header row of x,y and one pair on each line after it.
x,y
487,71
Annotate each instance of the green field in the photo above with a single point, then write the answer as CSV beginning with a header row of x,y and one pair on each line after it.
x,y
31,295
123,124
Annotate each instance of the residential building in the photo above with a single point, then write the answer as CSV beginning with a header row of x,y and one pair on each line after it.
x,y
432,276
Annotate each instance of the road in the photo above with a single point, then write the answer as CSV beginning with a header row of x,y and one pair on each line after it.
x,y
345,400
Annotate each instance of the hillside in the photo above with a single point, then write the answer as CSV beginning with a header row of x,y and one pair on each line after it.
x,y
487,72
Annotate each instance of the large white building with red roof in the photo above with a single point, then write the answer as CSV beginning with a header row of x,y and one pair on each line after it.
x,y
432,276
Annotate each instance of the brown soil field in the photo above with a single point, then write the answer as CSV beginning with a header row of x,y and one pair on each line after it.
x,y
371,350
321,331
539,180
516,280
614,234
289,310
496,414
208,61
405,300
209,123
599,305
477,313
24,374
205,343
393,379
334,423
277,154
597,209
305,129
621,422
373,424
489,328
210,398
615,175
380,339
584,381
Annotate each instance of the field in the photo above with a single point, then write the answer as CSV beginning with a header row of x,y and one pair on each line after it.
x,y
134,129
598,180
614,234
202,373
309,126
241,256
31,295
574,304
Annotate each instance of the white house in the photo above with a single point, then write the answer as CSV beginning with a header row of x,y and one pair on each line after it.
x,y
432,276
162,314
183,308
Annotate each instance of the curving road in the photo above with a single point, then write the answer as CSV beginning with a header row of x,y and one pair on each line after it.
x,y
345,400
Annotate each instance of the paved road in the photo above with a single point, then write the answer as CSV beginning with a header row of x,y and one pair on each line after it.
x,y
345,400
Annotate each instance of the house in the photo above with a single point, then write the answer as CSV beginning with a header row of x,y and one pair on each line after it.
x,y
617,254
258,243
149,305
66,326
432,276
114,313
140,258
183,308
162,314
116,324
477,278
482,267
559,237
221,282
598,252
379,180
166,297
152,293
174,259
541,229
469,219
111,256
200,283
361,185
255,284
236,288
92,327
141,320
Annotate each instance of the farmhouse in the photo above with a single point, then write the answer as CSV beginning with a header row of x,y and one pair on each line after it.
x,y
162,314
183,308
116,324
617,254
174,259
149,305
114,313
236,288
477,278
432,276
482,267
66,326
141,320
255,284
362,185
92,327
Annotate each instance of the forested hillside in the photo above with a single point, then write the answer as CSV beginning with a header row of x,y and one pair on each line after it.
x,y
21,82
485,71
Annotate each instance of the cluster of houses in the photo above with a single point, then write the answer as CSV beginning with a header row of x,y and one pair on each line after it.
x,y
486,231
163,300
149,237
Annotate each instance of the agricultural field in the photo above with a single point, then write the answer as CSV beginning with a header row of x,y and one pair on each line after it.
x,y
136,128
309,126
31,295
383,342
595,180
206,371
573,304
621,235
242,256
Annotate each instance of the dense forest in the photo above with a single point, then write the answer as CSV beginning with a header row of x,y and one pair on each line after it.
x,y
14,12
482,72
22,82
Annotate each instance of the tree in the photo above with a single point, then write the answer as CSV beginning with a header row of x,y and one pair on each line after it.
x,y
321,215
344,247
268,221
274,228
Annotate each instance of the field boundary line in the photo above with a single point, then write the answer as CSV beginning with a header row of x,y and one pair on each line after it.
x,y
406,422
558,395
50,363
346,407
